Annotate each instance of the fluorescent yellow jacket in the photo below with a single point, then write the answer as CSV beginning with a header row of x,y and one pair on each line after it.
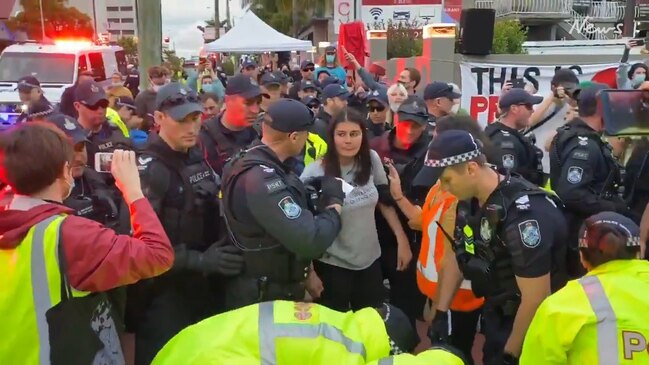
x,y
114,119
281,333
602,318
435,356
316,148
31,285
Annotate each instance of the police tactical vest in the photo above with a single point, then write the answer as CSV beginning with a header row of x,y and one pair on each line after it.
x,y
532,169
221,145
263,254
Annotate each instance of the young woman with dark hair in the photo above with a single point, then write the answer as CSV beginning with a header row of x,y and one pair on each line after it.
x,y
349,276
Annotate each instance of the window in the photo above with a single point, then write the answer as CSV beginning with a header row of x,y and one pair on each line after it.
x,y
128,32
114,31
97,66
83,64
126,8
127,20
112,8
48,68
113,20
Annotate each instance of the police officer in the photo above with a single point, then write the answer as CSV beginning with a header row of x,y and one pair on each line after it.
x,y
439,97
183,190
30,92
583,171
268,214
334,100
512,151
517,256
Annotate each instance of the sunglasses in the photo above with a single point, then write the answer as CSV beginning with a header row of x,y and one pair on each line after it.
x,y
100,104
251,68
308,69
376,108
255,101
331,53
313,106
179,99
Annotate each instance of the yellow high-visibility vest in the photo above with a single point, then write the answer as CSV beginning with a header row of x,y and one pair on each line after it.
x,y
318,146
113,118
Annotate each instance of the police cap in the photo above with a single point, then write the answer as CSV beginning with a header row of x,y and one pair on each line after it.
x,y
282,77
378,95
269,78
600,224
518,97
90,93
335,91
331,80
288,115
587,99
177,101
307,84
413,109
440,89
243,86
27,83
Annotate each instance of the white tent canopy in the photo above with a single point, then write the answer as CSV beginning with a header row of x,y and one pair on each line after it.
x,y
251,34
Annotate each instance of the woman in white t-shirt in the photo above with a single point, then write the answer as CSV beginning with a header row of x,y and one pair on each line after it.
x,y
348,276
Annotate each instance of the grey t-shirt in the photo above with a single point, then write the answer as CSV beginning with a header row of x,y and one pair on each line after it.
x,y
357,245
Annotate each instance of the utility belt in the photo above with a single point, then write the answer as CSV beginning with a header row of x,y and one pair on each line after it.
x,y
276,266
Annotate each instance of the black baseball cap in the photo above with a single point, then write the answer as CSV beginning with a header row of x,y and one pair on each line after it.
x,y
440,89
331,80
244,86
414,109
380,95
305,64
282,77
27,83
177,101
587,99
307,84
335,91
330,49
596,226
310,100
289,115
89,93
70,127
448,148
518,97
125,101
249,63
269,78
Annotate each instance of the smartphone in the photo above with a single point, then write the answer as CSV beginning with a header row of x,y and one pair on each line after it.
x,y
639,42
103,161
624,112
518,83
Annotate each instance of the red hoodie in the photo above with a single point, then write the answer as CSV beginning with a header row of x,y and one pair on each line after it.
x,y
98,259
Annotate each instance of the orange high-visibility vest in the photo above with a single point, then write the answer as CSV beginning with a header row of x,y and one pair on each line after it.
x,y
437,204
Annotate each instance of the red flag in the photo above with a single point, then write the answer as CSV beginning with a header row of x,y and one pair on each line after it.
x,y
352,37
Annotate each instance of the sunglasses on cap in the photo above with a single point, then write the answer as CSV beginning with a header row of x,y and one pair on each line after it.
x,y
179,99
308,69
100,104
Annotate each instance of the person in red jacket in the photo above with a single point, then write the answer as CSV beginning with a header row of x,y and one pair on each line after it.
x,y
35,164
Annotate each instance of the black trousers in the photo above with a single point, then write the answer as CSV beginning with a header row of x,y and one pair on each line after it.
x,y
464,328
346,289
496,328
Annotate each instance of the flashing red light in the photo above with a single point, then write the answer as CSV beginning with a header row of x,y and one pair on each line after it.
x,y
72,43
166,39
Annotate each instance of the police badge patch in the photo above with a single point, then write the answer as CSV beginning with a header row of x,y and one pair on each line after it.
x,y
485,230
574,174
289,207
530,233
508,161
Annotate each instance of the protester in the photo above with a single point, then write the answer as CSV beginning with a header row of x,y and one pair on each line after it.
x,y
329,63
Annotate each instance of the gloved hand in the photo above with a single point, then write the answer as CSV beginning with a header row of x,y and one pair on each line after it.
x,y
332,191
104,199
226,260
439,329
504,359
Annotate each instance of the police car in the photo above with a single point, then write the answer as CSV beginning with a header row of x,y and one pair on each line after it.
x,y
56,66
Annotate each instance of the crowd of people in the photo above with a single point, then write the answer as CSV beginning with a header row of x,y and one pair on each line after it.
x,y
321,218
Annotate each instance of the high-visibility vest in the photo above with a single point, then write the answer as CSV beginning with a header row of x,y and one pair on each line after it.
x,y
113,118
31,285
435,356
318,146
437,204
280,332
599,319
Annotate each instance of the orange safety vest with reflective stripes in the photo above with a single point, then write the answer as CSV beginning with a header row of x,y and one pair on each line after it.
x,y
437,204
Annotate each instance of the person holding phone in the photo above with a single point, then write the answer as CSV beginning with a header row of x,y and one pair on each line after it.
x,y
631,76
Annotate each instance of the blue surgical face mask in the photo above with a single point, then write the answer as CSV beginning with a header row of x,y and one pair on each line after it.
x,y
638,79
208,88
330,58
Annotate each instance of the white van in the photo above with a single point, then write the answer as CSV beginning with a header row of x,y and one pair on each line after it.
x,y
56,66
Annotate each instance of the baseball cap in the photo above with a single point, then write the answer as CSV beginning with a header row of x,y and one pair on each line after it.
x,y
587,99
70,127
380,95
305,64
177,101
335,91
89,93
306,84
310,100
414,109
596,226
331,80
440,89
518,97
125,101
27,83
448,148
249,63
39,109
402,335
282,77
330,49
269,78
288,115
243,85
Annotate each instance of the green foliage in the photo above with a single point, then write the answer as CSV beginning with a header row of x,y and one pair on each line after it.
x,y
129,44
172,61
279,13
404,37
509,37
61,21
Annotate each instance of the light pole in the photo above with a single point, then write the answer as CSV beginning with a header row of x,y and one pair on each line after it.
x,y
40,5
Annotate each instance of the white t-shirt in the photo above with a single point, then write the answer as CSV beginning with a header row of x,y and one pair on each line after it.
x,y
357,245
548,129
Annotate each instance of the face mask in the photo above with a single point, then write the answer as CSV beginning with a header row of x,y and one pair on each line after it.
x,y
394,107
117,83
638,79
330,58
72,185
155,87
455,108
208,88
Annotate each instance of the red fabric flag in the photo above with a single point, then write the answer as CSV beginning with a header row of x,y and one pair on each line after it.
x,y
351,36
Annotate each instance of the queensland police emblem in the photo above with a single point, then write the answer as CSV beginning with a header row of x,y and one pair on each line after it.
x,y
575,174
303,311
508,161
290,209
530,233
485,230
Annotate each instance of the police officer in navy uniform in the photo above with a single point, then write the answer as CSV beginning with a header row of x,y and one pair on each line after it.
x,y
509,240
583,171
512,151
30,92
183,191
268,213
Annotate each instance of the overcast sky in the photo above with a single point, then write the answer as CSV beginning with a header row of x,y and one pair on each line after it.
x,y
179,21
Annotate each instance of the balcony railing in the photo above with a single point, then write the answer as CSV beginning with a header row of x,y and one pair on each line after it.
x,y
528,8
612,11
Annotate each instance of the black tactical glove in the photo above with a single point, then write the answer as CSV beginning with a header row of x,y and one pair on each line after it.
x,y
332,191
226,260
438,332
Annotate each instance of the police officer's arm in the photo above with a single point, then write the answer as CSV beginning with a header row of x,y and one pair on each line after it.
x,y
276,209
451,279
529,236
575,185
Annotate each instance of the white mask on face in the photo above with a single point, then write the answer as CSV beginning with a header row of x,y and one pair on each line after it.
x,y
118,83
155,87
455,108
394,106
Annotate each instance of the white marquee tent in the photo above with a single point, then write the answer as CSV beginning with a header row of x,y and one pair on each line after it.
x,y
251,34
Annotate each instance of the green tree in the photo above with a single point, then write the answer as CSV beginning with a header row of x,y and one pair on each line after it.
x,y
129,44
172,61
60,20
509,36
404,37
279,13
